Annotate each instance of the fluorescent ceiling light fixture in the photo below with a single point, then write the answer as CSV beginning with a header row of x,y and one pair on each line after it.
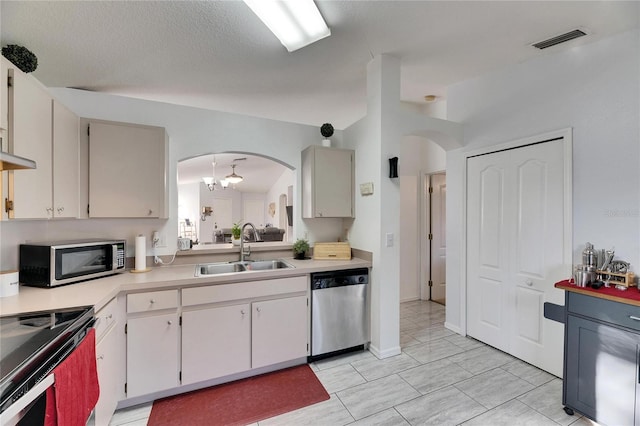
x,y
296,23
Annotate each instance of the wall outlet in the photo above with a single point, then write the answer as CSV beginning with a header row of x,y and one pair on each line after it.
x,y
158,240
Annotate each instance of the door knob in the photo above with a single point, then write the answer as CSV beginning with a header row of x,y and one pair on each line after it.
x,y
529,283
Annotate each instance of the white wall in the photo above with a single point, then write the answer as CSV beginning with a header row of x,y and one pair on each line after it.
x,y
192,132
595,90
273,196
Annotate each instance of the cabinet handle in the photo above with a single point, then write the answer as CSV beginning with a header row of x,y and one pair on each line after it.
x,y
258,309
152,301
109,316
633,317
101,357
150,212
242,311
50,211
60,210
169,322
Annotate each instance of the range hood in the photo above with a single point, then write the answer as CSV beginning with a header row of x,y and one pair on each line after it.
x,y
13,162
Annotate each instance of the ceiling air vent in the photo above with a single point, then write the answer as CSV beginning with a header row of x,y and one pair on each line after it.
x,y
559,39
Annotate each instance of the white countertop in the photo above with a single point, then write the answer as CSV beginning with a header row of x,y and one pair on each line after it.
x,y
99,292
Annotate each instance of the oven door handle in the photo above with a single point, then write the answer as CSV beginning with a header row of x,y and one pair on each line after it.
x,y
17,410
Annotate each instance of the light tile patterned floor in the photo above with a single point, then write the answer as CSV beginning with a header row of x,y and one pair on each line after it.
x,y
440,378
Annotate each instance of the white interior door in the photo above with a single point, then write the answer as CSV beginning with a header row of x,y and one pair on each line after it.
x,y
515,236
222,212
438,241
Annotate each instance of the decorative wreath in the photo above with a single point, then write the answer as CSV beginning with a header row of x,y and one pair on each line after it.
x,y
21,57
326,130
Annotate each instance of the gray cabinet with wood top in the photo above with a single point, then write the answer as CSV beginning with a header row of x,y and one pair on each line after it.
x,y
602,354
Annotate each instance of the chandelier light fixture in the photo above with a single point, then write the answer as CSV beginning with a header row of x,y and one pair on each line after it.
x,y
233,177
210,181
296,23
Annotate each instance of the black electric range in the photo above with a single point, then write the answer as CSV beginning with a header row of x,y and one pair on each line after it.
x,y
33,344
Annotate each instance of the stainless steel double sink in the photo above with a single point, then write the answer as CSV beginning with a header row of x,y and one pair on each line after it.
x,y
205,269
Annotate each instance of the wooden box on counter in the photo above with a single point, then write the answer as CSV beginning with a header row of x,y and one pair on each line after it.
x,y
332,251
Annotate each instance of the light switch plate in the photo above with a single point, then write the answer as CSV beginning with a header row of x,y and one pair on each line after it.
x,y
389,239
366,188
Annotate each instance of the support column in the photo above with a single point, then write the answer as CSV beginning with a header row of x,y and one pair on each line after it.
x,y
383,102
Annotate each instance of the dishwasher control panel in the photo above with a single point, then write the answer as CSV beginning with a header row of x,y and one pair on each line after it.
x,y
324,280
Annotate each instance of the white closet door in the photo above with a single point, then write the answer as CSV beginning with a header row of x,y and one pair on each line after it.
x,y
515,235
487,250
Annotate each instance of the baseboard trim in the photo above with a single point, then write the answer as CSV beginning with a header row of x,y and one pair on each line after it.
x,y
453,328
386,353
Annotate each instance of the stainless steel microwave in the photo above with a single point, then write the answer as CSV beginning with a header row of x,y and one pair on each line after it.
x,y
50,264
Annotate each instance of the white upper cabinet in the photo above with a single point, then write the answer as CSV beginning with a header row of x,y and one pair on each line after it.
x,y
4,99
45,131
66,161
127,170
30,135
327,182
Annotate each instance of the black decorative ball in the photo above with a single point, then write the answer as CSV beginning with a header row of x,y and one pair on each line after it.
x,y
326,130
21,57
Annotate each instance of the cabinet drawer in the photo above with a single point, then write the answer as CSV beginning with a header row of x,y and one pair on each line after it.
x,y
105,317
605,310
152,301
243,290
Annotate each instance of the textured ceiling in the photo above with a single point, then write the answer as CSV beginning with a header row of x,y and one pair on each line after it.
x,y
218,55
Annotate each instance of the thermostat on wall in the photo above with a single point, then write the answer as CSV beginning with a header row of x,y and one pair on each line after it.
x,y
366,188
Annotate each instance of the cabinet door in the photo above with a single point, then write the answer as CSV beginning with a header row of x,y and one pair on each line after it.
x,y
30,137
4,98
279,331
127,170
601,379
333,176
327,182
216,342
152,354
66,161
110,376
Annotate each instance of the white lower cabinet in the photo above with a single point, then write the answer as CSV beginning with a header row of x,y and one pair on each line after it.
x,y
279,331
152,354
110,359
234,328
216,342
214,332
108,375
153,342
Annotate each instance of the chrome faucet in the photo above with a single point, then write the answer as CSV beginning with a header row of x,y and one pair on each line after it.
x,y
256,238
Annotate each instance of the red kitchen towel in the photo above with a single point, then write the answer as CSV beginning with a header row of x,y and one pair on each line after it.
x,y
75,391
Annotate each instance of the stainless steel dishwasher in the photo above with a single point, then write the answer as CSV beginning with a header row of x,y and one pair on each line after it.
x,y
339,312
